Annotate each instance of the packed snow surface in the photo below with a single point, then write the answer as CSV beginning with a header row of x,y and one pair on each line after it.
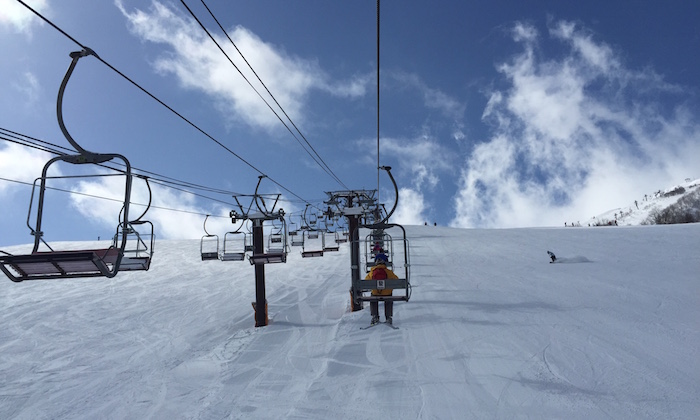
x,y
493,330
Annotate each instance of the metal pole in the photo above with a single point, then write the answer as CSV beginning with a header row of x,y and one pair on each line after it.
x,y
353,226
260,300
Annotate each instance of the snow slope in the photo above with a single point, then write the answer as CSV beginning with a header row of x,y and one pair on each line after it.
x,y
492,331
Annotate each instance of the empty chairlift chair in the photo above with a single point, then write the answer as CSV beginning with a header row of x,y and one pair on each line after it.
x,y
276,248
314,243
209,245
140,240
234,246
332,246
45,262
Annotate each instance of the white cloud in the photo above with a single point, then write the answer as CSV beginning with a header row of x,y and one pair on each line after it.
x,y
422,157
174,215
17,17
199,64
411,208
573,137
420,163
20,163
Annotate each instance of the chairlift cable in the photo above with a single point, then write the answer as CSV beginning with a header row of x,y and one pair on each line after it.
x,y
22,138
378,165
182,117
152,175
324,165
162,180
109,199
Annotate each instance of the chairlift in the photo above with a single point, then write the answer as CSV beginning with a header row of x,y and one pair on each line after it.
x,y
396,248
276,251
209,245
234,248
293,228
312,241
341,237
341,234
276,242
102,262
248,240
139,240
297,239
333,246
139,251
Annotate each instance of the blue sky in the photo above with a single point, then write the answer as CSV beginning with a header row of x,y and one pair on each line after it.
x,y
492,114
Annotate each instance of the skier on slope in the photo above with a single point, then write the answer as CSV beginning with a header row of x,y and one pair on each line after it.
x,y
381,272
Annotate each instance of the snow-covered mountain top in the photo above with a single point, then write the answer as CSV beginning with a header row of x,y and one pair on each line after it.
x,y
638,211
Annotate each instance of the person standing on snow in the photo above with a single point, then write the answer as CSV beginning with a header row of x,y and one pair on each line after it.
x,y
381,272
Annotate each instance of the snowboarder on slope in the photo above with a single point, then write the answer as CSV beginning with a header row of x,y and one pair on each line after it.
x,y
381,272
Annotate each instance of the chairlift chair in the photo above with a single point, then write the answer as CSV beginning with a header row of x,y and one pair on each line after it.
x,y
209,245
234,248
341,237
275,243
276,250
297,240
334,247
312,241
60,264
248,240
139,251
139,239
400,286
293,229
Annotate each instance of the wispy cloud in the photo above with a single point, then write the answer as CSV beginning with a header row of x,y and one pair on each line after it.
x,y
421,163
411,209
573,135
19,163
175,215
18,18
29,88
198,64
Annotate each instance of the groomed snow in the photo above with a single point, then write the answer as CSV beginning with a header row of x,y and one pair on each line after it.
x,y
492,331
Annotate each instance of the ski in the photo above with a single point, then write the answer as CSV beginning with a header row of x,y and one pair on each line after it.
x,y
374,325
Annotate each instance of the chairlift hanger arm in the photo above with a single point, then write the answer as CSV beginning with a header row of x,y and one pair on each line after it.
x,y
85,154
148,206
259,198
396,202
205,225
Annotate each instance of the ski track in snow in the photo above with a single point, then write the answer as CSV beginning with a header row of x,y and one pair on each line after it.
x,y
492,331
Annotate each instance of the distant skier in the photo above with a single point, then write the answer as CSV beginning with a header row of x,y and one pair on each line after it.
x,y
381,272
552,256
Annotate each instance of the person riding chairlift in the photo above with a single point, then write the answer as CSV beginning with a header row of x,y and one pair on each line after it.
x,y
381,272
